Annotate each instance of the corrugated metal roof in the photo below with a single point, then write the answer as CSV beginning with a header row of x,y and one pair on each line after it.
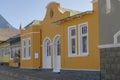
x,y
34,22
71,17
72,12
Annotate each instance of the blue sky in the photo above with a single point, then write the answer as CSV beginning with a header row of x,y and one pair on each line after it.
x,y
18,12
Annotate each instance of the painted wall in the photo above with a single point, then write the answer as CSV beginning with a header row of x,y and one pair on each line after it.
x,y
50,30
35,47
46,29
4,58
90,62
109,23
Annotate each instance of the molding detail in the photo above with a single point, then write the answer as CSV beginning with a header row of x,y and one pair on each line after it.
x,y
116,36
94,1
30,33
109,46
81,69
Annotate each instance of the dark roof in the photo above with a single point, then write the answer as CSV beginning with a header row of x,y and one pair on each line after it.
x,y
4,23
13,38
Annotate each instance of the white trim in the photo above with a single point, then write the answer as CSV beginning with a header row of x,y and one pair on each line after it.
x,y
54,68
16,45
109,46
43,51
58,35
26,48
30,33
45,39
80,35
116,36
10,54
108,6
81,69
94,1
70,54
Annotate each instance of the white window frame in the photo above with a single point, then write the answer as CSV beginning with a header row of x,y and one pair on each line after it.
x,y
27,57
70,54
108,6
116,37
11,52
48,47
23,49
28,45
80,35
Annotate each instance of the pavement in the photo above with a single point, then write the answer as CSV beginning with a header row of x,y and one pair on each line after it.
x,y
35,74
7,77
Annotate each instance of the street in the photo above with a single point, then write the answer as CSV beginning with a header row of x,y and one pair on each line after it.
x,y
6,77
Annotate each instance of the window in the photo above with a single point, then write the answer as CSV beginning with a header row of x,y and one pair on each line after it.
x,y
26,48
108,6
29,47
72,40
14,52
11,54
83,39
23,48
48,48
58,47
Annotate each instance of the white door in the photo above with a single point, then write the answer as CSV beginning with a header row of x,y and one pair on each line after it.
x,y
56,56
46,54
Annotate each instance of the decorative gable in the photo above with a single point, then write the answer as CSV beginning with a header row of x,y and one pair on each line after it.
x,y
55,12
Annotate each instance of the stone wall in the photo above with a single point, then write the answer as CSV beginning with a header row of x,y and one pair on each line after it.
x,y
110,63
81,75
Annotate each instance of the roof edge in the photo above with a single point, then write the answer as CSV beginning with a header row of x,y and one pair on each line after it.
x,y
71,17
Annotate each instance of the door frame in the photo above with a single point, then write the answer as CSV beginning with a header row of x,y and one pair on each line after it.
x,y
54,67
43,54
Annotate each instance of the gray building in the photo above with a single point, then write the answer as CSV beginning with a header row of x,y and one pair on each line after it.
x,y
109,37
109,21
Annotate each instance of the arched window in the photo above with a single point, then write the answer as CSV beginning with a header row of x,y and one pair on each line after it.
x,y
57,45
47,47
46,53
116,37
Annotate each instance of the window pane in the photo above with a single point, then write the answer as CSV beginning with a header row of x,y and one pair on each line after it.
x,y
84,29
12,53
24,50
29,51
24,43
84,42
29,42
48,48
73,45
58,47
108,6
72,32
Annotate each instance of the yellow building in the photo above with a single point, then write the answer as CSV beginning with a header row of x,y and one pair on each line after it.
x,y
64,40
14,51
4,52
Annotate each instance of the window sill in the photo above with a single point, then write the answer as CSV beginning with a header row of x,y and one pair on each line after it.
x,y
83,55
108,11
70,55
11,58
26,58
